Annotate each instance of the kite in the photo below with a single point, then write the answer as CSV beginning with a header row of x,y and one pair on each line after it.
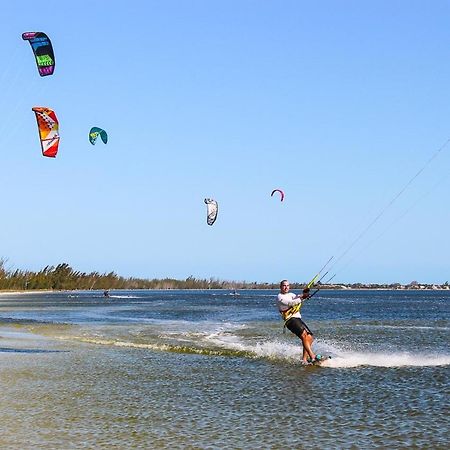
x,y
43,51
48,130
212,210
280,191
93,135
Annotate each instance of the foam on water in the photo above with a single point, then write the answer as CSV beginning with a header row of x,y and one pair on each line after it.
x,y
278,350
229,344
339,358
387,360
403,327
344,356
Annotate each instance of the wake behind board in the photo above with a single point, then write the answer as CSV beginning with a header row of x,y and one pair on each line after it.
x,y
320,361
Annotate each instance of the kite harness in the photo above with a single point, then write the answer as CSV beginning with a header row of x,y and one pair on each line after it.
x,y
286,315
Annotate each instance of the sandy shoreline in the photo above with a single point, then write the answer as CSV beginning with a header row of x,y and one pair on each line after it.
x,y
26,292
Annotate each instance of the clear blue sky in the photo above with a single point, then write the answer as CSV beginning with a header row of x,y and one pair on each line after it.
x,y
337,103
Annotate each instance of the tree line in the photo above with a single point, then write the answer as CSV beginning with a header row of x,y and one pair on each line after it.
x,y
64,277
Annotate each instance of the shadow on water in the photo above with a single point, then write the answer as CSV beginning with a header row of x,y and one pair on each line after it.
x,y
29,350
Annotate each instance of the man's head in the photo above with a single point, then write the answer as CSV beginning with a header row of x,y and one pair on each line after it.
x,y
284,286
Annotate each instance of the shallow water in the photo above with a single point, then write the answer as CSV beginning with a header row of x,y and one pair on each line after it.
x,y
205,369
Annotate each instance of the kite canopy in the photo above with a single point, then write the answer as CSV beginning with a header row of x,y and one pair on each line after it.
x,y
93,135
212,209
48,130
281,193
43,51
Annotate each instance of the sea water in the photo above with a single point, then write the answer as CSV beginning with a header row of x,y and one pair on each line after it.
x,y
214,370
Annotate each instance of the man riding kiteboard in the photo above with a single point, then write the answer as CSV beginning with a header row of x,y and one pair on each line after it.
x,y
289,305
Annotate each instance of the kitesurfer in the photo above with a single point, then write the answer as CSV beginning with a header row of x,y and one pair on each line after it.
x,y
289,305
106,293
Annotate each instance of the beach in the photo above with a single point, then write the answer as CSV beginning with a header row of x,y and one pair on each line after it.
x,y
184,369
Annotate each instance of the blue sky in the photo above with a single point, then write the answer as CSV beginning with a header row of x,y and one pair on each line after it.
x,y
339,104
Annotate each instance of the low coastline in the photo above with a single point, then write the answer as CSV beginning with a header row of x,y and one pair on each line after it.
x,y
25,292
5,292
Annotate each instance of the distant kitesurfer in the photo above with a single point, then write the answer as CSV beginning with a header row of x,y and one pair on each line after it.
x,y
289,305
106,293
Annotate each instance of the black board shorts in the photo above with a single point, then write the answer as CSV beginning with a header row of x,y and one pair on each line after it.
x,y
297,326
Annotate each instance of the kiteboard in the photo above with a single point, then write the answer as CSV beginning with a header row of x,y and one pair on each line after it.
x,y
319,361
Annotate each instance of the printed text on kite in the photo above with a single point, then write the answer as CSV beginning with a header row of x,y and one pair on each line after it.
x,y
42,50
48,127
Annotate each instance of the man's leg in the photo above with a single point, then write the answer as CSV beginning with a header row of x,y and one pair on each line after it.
x,y
307,340
305,355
